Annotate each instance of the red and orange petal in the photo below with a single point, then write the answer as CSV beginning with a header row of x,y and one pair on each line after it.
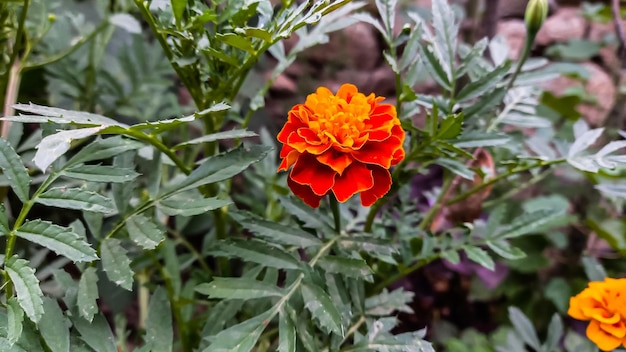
x,y
343,143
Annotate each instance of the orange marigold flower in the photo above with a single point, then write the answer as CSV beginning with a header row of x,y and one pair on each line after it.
x,y
604,305
344,144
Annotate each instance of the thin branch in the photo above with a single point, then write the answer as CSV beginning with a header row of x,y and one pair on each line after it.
x,y
619,31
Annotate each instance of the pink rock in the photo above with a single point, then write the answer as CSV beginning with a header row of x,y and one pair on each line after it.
x,y
566,23
514,32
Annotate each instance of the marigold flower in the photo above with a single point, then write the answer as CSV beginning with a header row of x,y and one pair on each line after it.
x,y
604,305
343,143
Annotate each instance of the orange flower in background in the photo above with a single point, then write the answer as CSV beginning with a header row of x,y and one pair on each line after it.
x,y
604,305
343,143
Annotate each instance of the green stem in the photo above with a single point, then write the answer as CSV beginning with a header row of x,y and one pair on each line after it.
x,y
155,142
354,328
19,38
401,274
482,186
334,206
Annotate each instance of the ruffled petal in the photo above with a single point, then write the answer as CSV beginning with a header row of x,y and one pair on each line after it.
x,y
356,178
604,340
308,171
575,310
347,91
305,193
288,159
379,153
338,161
618,329
382,185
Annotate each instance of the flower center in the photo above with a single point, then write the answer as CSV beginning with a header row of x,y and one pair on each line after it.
x,y
337,121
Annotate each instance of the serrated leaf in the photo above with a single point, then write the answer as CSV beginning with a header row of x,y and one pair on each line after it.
x,y
159,332
524,328
27,288
103,149
15,316
189,206
116,264
238,288
387,302
232,134
88,294
53,146
257,252
310,218
530,222
60,116
218,168
57,238
480,256
274,231
286,333
76,198
96,334
483,85
457,167
446,31
144,232
53,327
373,246
474,139
100,173
13,169
322,308
504,249
450,127
350,267
584,141
241,337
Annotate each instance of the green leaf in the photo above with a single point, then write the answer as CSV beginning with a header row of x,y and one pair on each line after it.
x,y
15,316
530,222
286,333
376,247
446,31
125,22
53,146
555,332
59,239
486,83
435,67
257,252
14,170
593,269
4,221
322,308
88,294
236,41
559,292
241,337
26,285
474,139
350,267
457,167
159,331
76,198
103,149
218,168
450,127
451,255
183,204
524,328
386,303
100,173
144,232
96,334
178,7
504,249
60,116
232,134
485,105
274,231
480,256
238,288
116,264
309,217
53,327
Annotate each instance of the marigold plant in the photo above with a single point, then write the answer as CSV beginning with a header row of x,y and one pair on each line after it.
x,y
604,305
344,143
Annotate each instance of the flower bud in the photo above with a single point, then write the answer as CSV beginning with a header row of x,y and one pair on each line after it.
x,y
536,13
52,17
